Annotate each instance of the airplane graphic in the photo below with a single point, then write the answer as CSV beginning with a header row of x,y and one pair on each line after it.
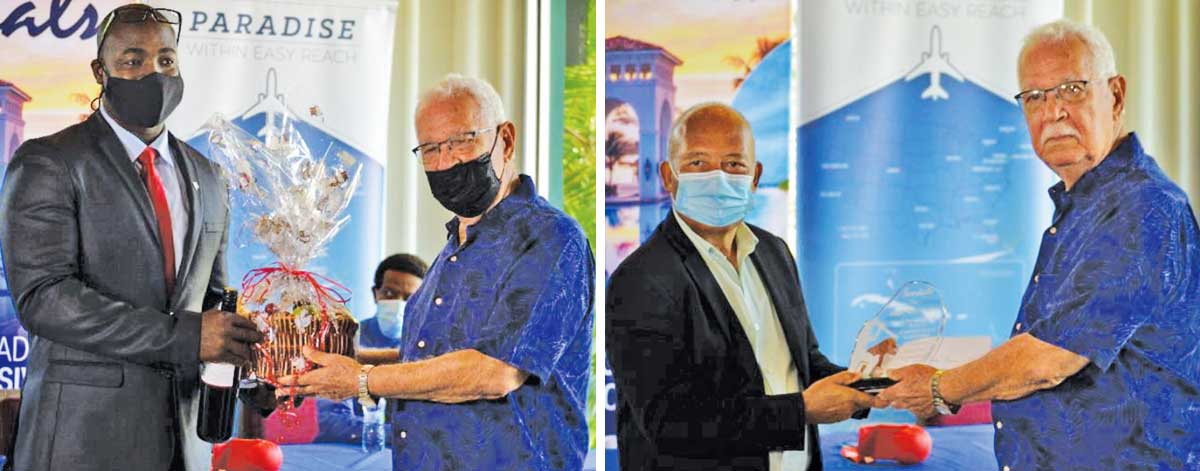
x,y
935,63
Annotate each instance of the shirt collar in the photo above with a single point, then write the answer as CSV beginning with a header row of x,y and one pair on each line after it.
x,y
521,196
744,239
134,145
1126,153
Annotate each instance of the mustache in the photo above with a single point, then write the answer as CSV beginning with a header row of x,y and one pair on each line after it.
x,y
1058,129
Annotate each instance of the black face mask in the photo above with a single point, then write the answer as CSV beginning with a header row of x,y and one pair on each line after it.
x,y
467,189
145,102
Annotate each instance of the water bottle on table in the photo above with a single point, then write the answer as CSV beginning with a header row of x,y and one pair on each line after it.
x,y
373,433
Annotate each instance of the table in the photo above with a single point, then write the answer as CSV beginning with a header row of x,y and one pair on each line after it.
x,y
344,456
954,448
329,456
965,447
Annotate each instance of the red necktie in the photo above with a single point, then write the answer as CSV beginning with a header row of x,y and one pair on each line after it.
x,y
162,212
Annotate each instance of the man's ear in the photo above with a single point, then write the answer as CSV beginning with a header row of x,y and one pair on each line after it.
x,y
668,179
98,71
375,292
1117,86
757,174
508,135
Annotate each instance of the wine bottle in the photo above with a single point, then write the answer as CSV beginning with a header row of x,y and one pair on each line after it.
x,y
218,390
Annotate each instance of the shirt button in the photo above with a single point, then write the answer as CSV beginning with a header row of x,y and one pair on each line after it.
x,y
420,344
1018,326
437,300
1006,468
454,258
999,425
403,434
1035,280
1053,230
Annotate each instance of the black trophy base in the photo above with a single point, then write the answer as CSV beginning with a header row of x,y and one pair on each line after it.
x,y
872,385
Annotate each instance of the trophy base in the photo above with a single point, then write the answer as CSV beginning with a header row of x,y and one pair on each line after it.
x,y
872,385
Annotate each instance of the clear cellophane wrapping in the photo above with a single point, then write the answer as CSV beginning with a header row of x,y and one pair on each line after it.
x,y
293,201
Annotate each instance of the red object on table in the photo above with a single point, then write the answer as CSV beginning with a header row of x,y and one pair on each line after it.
x,y
905,444
971,413
242,454
297,425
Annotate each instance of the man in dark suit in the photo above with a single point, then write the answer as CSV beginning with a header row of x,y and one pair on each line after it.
x,y
715,363
113,234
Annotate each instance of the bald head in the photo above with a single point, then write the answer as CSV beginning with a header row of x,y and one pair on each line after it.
x,y
707,125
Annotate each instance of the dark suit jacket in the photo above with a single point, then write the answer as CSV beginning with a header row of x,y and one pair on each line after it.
x,y
112,380
689,391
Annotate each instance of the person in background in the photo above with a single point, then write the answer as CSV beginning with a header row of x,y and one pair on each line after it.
x,y
396,279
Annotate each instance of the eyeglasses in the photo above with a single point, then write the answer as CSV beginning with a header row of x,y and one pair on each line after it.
x,y
459,145
139,15
1070,92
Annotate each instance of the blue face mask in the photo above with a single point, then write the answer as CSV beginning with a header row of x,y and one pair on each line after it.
x,y
713,198
390,313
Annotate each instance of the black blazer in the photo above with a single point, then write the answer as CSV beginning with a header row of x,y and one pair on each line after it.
x,y
689,391
112,380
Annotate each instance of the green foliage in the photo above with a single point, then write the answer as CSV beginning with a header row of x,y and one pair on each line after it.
x,y
579,155
579,134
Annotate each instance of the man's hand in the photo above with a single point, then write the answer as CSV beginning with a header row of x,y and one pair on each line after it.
x,y
829,400
912,390
226,337
336,377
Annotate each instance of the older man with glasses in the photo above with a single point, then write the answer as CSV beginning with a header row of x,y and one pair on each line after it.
x,y
496,349
1103,367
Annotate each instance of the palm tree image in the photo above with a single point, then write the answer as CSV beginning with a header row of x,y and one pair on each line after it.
x,y
746,65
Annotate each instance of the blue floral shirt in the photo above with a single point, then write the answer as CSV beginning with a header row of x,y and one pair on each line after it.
x,y
1117,280
519,290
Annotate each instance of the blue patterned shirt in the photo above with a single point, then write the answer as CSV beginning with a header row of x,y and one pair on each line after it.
x,y
519,290
1117,280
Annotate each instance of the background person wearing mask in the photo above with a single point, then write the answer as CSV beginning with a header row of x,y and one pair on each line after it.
x,y
396,279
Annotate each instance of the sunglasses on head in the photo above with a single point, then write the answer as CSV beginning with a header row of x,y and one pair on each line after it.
x,y
135,14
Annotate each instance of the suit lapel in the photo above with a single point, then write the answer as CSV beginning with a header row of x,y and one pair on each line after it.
x,y
127,174
710,290
773,277
191,185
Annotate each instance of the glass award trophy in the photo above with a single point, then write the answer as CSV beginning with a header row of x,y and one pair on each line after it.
x,y
907,330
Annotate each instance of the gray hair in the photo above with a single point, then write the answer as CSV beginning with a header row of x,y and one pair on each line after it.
x,y
1100,52
453,86
676,141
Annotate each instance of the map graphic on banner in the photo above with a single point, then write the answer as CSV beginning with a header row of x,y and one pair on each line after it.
x,y
325,65
916,167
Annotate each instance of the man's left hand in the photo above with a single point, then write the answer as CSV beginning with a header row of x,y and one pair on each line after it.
x,y
336,377
912,390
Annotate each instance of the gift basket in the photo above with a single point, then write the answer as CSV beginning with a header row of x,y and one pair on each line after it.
x,y
294,203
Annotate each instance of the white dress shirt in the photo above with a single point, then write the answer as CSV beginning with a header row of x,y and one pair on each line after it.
x,y
752,304
165,166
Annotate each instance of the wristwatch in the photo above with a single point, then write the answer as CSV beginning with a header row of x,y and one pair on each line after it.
x,y
364,396
940,405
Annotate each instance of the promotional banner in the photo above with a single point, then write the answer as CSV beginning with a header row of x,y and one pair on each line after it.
x,y
320,67
914,161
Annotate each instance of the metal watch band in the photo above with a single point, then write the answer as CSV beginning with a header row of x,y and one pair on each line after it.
x,y
364,396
